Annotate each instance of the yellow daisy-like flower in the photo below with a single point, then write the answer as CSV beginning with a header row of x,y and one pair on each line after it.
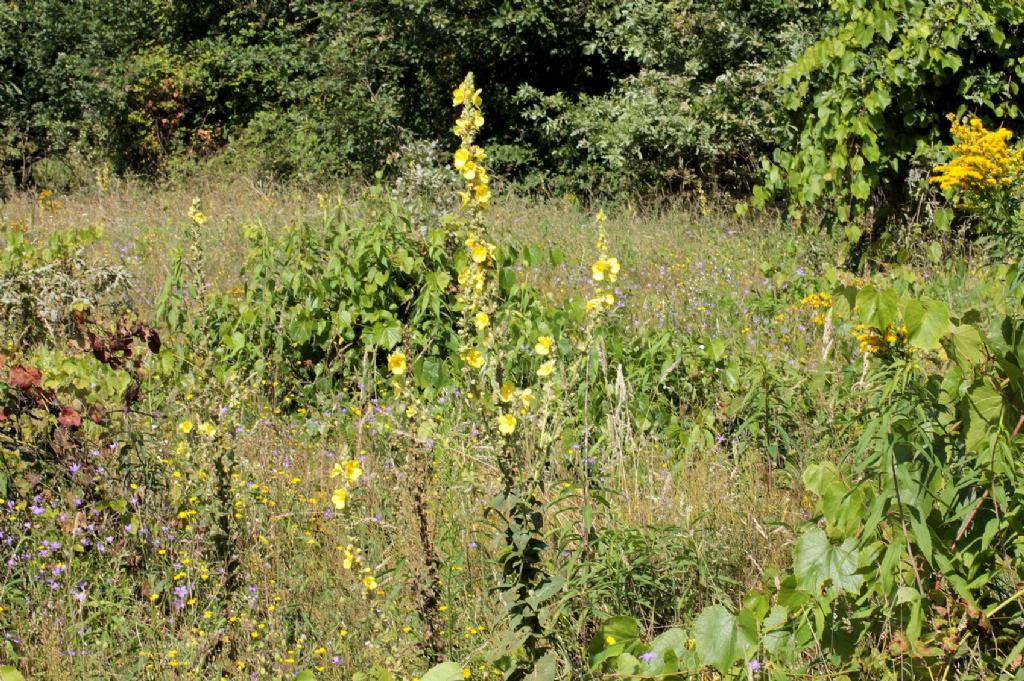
x,y
339,498
546,368
208,429
544,345
507,424
370,582
481,320
185,427
396,363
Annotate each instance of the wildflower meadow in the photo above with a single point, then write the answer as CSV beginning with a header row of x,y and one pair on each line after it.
x,y
541,395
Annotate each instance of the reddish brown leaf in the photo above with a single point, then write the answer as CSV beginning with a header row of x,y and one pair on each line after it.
x,y
24,378
69,418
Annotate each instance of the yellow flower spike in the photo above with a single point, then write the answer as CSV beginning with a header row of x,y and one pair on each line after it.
x,y
396,363
507,424
544,345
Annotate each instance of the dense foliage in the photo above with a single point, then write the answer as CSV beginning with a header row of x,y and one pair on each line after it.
x,y
312,88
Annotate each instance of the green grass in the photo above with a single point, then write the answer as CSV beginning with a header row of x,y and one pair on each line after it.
x,y
724,507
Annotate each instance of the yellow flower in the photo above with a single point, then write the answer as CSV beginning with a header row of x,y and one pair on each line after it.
x,y
506,393
396,363
506,424
543,346
483,194
185,427
601,217
351,469
479,252
526,398
370,582
605,268
609,639
473,358
546,368
461,158
208,429
481,320
339,498
411,411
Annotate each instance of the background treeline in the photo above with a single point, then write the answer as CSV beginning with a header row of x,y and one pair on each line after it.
x,y
603,95
609,94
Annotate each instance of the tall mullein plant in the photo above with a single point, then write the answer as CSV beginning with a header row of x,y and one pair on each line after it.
x,y
521,416
499,405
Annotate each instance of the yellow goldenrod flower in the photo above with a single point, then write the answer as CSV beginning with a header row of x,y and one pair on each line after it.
x,y
982,158
543,346
506,424
396,363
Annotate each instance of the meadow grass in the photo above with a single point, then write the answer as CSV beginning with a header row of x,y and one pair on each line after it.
x,y
723,509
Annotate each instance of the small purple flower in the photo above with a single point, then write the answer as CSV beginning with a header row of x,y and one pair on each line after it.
x,y
649,657
754,665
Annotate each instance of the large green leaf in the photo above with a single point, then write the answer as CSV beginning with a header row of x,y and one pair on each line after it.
x,y
927,322
817,563
877,308
446,671
968,344
984,412
9,673
723,638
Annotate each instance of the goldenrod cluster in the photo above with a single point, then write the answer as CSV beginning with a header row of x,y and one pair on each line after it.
x,y
603,272
818,302
982,158
881,342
